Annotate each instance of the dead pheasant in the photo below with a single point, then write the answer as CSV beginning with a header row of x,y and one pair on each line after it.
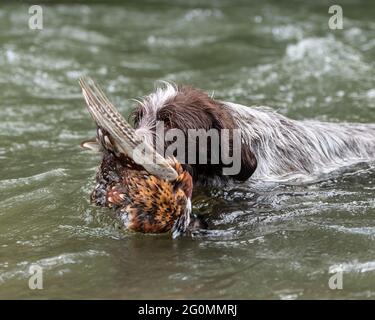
x,y
150,193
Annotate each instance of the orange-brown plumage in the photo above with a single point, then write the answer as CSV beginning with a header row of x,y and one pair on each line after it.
x,y
151,204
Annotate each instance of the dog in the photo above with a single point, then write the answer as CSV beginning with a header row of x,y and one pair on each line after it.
x,y
272,145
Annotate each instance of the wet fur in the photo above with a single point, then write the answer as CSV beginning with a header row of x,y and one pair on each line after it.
x,y
273,146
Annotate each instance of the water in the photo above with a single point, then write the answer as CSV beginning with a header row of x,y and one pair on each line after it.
x,y
269,240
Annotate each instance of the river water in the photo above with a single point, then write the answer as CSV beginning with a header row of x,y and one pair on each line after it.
x,y
271,240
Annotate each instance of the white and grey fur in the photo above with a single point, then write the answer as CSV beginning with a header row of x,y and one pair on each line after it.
x,y
281,146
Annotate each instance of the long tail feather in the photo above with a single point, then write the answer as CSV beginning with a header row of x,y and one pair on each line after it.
x,y
106,116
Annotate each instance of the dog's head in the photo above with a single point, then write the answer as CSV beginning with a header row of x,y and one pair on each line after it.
x,y
188,109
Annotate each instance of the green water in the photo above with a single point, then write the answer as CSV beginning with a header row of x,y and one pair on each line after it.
x,y
274,241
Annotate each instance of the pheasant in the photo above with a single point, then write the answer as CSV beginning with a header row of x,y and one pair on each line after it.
x,y
151,194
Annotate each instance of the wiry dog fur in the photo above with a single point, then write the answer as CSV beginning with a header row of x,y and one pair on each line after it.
x,y
272,145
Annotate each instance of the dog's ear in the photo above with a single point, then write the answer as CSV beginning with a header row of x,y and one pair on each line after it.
x,y
194,109
249,163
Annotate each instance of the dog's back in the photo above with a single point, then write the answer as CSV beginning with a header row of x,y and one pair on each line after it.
x,y
283,146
